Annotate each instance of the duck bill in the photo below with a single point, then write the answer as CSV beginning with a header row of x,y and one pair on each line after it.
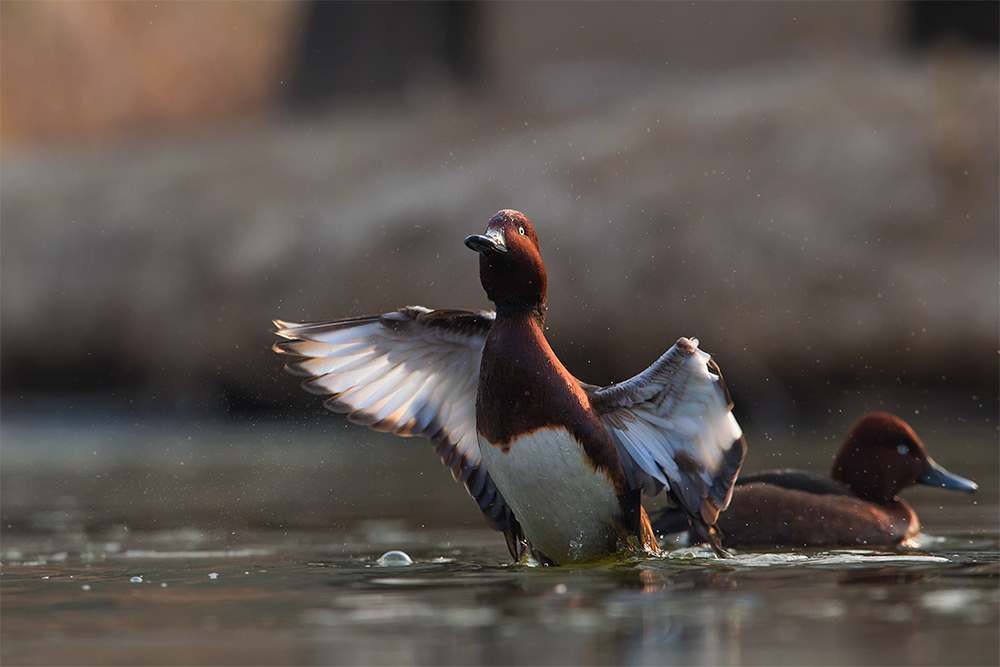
x,y
490,243
935,475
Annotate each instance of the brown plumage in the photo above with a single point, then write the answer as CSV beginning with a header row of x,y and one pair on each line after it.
x,y
858,505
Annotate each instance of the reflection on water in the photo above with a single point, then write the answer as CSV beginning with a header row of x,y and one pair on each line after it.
x,y
163,550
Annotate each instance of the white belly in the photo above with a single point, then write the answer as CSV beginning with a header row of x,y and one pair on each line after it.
x,y
566,509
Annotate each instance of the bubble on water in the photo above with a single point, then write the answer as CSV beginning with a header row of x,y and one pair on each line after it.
x,y
163,585
394,559
136,580
85,587
213,575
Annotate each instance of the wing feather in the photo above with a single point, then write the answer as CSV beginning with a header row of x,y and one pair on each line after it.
x,y
674,427
412,372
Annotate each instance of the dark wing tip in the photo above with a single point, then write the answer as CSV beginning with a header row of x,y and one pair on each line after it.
x,y
483,490
721,491
713,368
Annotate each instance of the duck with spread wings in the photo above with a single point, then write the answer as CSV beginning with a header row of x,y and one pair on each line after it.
x,y
558,465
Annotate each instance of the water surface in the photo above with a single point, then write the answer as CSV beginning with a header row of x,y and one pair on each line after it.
x,y
220,543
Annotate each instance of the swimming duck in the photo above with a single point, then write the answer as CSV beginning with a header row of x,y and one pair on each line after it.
x,y
558,465
858,505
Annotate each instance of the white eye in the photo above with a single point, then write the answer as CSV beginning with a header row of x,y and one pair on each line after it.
x,y
520,230
903,449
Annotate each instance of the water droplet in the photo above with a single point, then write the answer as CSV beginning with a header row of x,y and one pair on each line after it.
x,y
394,559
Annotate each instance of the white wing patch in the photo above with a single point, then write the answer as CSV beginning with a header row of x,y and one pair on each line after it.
x,y
674,423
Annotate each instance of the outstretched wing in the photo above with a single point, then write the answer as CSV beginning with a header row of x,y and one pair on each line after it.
x,y
674,426
412,372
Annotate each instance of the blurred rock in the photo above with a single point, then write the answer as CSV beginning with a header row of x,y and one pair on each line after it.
x,y
683,36
83,71
824,227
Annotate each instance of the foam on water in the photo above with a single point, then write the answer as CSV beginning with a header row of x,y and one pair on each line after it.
x,y
845,557
833,558
765,560
899,559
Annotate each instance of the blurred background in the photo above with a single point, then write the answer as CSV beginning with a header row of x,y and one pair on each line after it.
x,y
811,189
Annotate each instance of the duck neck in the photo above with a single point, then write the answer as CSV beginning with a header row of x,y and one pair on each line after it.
x,y
512,309
869,482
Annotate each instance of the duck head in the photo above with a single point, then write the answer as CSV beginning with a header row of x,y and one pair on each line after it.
x,y
510,264
882,456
